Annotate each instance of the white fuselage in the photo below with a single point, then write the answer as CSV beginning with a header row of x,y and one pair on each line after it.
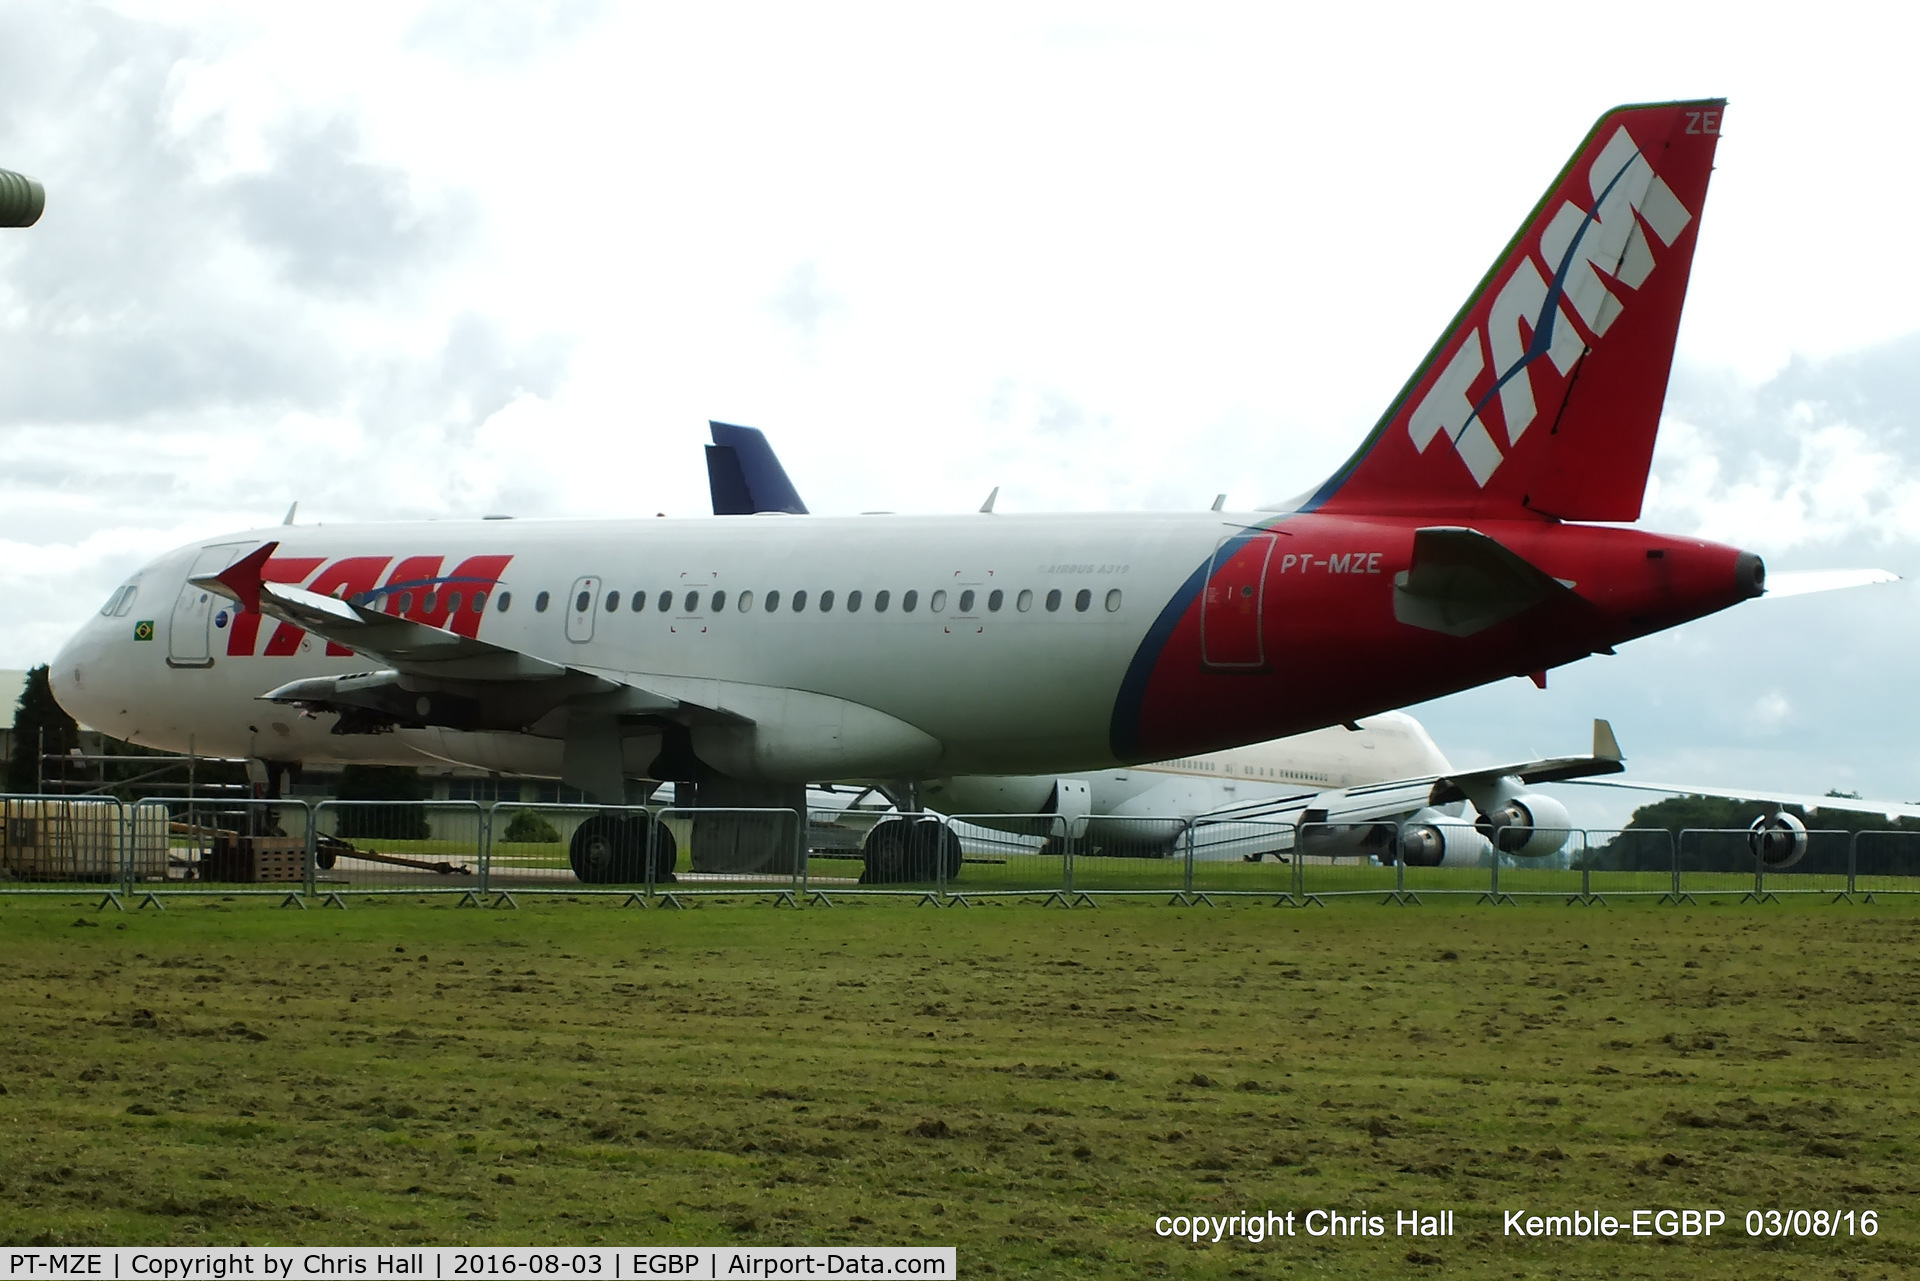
x,y
1386,747
1014,688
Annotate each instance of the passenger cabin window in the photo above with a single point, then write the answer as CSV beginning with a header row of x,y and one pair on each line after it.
x,y
428,606
692,603
966,601
580,602
880,600
1053,600
1024,601
453,602
505,602
719,601
826,602
1113,601
1082,599
773,600
639,602
853,602
539,602
938,602
908,601
613,601
799,600
993,600
746,601
479,602
666,602
406,602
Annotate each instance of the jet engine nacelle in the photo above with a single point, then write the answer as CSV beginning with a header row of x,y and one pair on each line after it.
x,y
1529,825
1435,839
1778,840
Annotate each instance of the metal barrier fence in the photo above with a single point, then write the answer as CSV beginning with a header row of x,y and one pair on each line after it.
x,y
335,850
56,844
222,845
396,847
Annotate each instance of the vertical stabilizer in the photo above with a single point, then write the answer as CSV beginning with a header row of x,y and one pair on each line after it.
x,y
1544,393
745,477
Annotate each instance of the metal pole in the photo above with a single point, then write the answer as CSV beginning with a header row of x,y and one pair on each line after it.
x,y
803,847
1066,866
40,764
1853,862
193,824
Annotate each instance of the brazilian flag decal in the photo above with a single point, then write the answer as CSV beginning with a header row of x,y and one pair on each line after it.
x,y
143,630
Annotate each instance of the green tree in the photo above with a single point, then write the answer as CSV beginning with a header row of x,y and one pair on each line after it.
x,y
382,822
529,828
36,714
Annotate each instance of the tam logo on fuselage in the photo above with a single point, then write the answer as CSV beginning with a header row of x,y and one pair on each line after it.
x,y
1528,318
415,590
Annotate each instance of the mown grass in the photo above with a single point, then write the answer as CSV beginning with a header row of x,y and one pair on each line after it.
x,y
1032,1085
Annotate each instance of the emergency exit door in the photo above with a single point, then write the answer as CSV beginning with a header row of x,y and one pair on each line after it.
x,y
1232,608
583,602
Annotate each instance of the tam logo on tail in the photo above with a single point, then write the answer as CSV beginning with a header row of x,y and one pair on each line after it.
x,y
1582,249
1547,385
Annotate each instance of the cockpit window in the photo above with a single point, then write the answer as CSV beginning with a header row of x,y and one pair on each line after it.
x,y
106,610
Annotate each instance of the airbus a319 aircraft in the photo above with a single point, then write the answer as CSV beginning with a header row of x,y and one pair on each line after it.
x,y
1477,533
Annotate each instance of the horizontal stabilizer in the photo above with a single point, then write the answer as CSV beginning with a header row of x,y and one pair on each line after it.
x,y
1805,582
1462,582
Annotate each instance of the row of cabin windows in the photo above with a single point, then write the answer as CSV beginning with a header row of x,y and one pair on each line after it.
x,y
797,602
431,602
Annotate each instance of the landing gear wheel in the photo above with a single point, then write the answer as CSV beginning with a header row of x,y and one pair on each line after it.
x,y
609,849
886,849
933,851
904,851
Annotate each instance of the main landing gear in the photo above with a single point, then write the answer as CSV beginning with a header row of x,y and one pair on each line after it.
x,y
612,849
913,852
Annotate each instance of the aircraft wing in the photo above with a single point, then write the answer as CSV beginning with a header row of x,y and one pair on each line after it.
x,y
431,677
434,678
1846,804
1605,759
1397,798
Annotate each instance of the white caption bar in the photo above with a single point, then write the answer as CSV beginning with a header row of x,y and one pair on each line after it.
x,y
284,1263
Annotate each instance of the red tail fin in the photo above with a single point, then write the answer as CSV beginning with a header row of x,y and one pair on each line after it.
x,y
1545,391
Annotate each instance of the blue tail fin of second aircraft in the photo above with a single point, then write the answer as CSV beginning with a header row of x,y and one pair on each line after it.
x,y
744,475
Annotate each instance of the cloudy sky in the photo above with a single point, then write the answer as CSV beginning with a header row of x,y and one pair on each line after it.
x,y
449,259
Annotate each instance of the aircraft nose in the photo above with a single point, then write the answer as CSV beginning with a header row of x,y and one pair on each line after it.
x,y
75,678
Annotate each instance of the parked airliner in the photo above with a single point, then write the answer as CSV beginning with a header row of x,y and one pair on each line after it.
x,y
1477,533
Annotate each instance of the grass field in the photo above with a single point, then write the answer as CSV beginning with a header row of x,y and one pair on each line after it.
x,y
1033,1085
